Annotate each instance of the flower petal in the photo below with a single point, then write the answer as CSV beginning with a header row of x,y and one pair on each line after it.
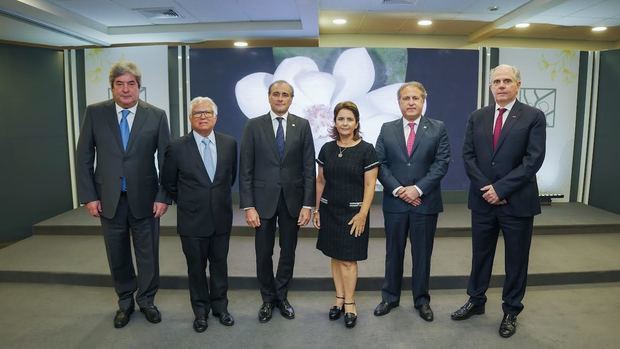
x,y
385,99
291,67
354,73
251,93
371,126
317,87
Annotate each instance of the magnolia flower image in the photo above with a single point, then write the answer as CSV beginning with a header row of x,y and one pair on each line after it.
x,y
317,93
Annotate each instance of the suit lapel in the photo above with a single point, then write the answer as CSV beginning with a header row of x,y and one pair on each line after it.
x,y
138,121
511,119
487,125
399,135
291,133
267,129
420,133
112,120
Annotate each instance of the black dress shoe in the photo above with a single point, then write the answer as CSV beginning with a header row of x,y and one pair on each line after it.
x,y
286,309
467,310
384,308
265,312
508,327
200,324
225,318
335,312
426,312
151,313
122,317
350,318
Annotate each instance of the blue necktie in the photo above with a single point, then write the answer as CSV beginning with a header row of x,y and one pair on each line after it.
x,y
124,126
280,137
207,158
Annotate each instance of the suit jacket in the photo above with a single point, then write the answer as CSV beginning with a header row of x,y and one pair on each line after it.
x,y
100,135
426,166
204,207
261,173
512,167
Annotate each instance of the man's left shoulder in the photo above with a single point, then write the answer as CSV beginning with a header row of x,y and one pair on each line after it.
x,y
298,120
433,122
149,108
223,137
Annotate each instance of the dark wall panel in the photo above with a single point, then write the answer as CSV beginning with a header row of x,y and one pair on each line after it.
x,y
33,139
604,187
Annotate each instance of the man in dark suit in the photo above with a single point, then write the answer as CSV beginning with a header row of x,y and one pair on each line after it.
x,y
414,154
123,189
199,170
504,148
276,185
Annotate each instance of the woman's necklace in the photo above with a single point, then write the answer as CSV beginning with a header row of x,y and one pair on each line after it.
x,y
342,149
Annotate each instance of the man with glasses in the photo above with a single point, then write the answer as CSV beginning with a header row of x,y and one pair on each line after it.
x,y
276,187
122,187
504,148
199,170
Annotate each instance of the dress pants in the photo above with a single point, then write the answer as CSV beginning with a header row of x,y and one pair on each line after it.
x,y
212,294
421,229
517,233
275,288
145,237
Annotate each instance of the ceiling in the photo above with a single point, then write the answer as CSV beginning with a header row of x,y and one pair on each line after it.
x,y
80,23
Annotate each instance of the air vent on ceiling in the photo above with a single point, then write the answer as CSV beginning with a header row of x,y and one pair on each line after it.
x,y
158,13
399,2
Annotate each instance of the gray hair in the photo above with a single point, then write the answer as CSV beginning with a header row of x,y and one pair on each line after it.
x,y
281,82
197,100
415,84
122,68
515,71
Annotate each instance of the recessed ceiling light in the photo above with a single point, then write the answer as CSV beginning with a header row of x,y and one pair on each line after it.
x,y
240,44
425,22
522,25
339,21
493,8
599,29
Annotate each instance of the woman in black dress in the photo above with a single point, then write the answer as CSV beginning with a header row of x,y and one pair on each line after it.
x,y
345,186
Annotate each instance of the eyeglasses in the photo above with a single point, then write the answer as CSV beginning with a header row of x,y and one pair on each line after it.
x,y
203,114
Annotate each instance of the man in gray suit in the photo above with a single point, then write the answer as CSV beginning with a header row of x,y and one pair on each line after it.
x,y
122,188
414,153
276,185
198,172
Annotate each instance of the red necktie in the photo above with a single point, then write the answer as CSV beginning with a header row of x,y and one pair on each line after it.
x,y
411,138
498,127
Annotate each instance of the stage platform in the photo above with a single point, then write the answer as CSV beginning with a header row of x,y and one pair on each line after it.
x,y
572,244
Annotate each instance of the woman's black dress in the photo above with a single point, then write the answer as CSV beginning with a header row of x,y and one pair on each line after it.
x,y
342,199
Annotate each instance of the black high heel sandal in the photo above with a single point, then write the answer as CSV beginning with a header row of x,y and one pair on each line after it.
x,y
335,312
350,318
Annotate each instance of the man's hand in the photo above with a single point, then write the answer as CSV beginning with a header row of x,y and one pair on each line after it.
x,y
94,208
252,218
304,217
159,209
490,195
409,195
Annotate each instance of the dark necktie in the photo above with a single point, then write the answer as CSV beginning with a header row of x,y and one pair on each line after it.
x,y
280,137
498,126
124,126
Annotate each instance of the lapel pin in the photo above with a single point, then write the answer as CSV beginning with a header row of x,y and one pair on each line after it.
x,y
293,125
514,116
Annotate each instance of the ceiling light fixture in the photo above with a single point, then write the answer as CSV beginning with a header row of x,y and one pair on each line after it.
x,y
493,8
240,44
425,22
522,25
339,21
599,29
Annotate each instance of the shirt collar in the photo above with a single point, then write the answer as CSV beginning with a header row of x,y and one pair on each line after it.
x,y
508,106
274,115
132,109
199,137
416,121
